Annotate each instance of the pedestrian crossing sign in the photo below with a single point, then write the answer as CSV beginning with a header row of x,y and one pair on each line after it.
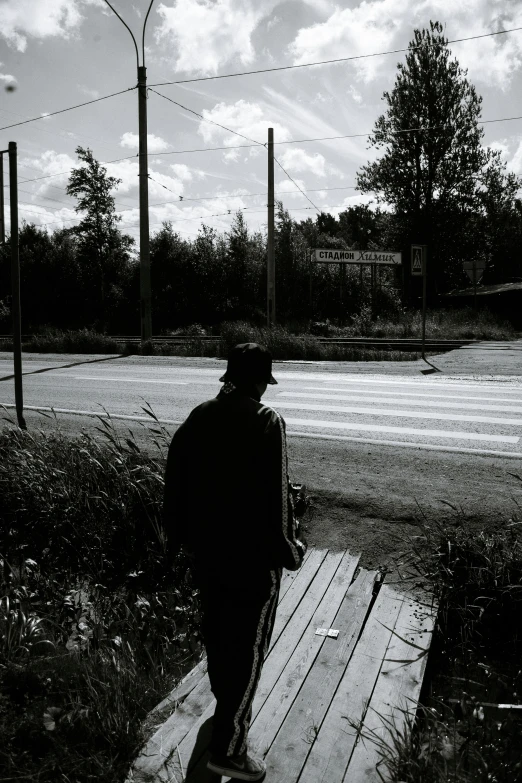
x,y
417,259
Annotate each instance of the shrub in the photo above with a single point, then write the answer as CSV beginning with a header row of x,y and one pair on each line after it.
x,y
96,622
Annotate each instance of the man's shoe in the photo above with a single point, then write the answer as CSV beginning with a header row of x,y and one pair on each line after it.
x,y
243,767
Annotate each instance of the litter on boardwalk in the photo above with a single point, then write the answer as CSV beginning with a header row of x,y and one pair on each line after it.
x,y
327,632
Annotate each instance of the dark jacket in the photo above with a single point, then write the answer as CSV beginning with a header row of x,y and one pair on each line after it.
x,y
227,495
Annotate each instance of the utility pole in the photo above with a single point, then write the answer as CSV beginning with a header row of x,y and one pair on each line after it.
x,y
145,287
2,213
15,287
270,269
424,275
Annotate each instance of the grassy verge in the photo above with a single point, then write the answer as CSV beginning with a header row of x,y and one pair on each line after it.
x,y
462,324
96,623
461,733
294,341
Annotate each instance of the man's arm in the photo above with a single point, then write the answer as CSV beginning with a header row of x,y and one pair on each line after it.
x,y
289,548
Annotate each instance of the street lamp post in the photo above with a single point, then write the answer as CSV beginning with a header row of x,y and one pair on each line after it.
x,y
145,288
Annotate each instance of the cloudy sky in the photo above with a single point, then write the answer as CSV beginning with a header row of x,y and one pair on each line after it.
x,y
58,53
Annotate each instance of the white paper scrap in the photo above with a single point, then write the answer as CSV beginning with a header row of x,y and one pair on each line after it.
x,y
327,632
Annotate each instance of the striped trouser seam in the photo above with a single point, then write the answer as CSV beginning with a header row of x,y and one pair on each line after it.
x,y
263,627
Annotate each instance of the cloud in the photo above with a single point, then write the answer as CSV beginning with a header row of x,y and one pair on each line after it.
x,y
7,77
381,25
91,93
21,19
154,143
181,171
205,34
298,160
243,117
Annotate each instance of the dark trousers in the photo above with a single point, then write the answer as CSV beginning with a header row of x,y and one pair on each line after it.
x,y
238,619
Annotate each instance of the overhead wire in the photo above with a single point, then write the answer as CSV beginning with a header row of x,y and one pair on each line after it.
x,y
329,62
212,122
69,108
250,73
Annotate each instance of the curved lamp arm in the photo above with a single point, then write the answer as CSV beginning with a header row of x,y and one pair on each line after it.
x,y
130,31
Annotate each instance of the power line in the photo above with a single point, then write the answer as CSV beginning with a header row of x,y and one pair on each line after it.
x,y
69,108
229,130
290,141
328,62
297,186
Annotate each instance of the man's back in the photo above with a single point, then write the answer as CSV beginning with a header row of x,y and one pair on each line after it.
x,y
226,485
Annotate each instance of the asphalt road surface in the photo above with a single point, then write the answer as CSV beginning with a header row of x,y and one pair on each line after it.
x,y
379,445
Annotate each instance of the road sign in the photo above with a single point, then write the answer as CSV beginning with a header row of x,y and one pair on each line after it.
x,y
417,259
329,256
474,270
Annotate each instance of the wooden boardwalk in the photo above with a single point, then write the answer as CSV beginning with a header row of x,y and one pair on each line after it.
x,y
312,687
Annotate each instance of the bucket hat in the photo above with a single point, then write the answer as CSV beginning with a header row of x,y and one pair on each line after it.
x,y
249,362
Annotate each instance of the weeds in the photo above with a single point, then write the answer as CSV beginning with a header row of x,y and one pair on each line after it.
x,y
96,622
465,730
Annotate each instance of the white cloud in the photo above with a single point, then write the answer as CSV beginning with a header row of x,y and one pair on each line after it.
x,y
296,159
380,25
205,34
182,171
243,117
515,164
154,143
20,19
91,93
7,78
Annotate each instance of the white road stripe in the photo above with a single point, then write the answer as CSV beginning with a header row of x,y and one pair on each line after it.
x,y
424,402
416,394
341,425
396,413
404,444
123,380
296,434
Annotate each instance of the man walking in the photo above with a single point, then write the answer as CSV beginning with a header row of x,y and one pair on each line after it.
x,y
228,505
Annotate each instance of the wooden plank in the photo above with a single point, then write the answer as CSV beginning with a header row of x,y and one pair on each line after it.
x,y
171,733
183,726
289,576
397,690
330,754
192,678
296,626
299,587
292,744
282,648
271,713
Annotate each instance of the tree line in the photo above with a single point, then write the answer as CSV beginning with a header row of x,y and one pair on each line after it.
x,y
435,183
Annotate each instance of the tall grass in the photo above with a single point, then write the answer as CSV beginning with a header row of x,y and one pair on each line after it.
x,y
459,734
96,621
446,324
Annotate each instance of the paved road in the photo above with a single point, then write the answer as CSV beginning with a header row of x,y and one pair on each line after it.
x,y
435,412
374,441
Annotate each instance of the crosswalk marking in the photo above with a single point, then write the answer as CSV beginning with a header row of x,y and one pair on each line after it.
x,y
424,402
416,394
397,413
342,425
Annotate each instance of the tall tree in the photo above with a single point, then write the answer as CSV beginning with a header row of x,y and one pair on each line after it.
x,y
434,165
104,248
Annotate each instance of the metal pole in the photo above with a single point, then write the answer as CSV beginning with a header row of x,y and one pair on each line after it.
x,y
2,213
310,270
424,271
15,287
474,285
145,289
271,307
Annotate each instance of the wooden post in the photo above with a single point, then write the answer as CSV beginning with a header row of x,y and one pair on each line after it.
x,y
271,308
15,287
